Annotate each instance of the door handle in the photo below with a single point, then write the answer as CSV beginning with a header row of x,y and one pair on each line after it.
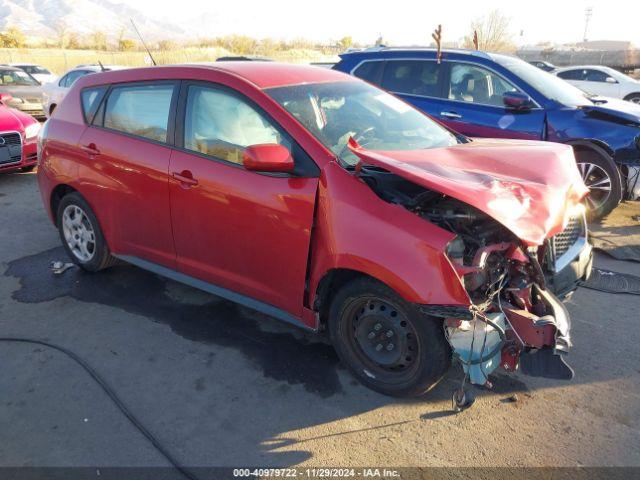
x,y
91,149
452,115
185,178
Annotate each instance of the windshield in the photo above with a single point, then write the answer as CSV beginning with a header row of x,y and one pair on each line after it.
x,y
546,83
334,112
16,77
621,77
35,70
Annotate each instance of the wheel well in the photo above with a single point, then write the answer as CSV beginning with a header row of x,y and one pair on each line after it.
x,y
330,283
56,196
632,94
592,146
52,107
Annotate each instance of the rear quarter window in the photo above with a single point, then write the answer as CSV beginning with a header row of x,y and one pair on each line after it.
x,y
90,99
370,71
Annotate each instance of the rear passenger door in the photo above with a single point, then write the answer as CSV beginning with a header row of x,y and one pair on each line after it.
x,y
244,231
473,105
417,81
126,162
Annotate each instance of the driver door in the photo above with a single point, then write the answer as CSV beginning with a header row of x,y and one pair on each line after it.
x,y
244,231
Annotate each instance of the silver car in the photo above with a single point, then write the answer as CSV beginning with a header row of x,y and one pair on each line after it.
x,y
25,90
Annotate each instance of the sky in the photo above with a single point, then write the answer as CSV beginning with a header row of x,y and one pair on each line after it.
x,y
402,22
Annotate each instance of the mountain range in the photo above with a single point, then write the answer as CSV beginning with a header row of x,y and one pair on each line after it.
x,y
43,18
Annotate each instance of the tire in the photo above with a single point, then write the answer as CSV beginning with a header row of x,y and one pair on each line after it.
x,y
76,221
633,97
599,173
28,169
355,313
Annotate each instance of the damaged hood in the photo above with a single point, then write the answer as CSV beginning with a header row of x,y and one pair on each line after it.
x,y
614,110
529,187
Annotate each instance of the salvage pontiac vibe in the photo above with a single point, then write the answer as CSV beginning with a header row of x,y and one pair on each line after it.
x,y
323,201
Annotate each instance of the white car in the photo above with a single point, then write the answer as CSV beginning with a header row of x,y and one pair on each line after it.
x,y
38,72
599,80
53,93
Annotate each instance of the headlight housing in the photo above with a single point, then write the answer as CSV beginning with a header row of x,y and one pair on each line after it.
x,y
15,101
31,131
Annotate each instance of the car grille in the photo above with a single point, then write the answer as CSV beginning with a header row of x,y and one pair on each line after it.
x,y
11,144
569,236
562,245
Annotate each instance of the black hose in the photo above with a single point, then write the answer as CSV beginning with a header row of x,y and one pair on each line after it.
x,y
112,395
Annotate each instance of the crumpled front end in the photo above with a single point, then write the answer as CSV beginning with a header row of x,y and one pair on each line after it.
x,y
509,251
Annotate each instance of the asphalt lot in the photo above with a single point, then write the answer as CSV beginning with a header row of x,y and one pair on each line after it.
x,y
221,385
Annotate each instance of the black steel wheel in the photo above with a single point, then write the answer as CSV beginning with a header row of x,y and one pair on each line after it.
x,y
386,342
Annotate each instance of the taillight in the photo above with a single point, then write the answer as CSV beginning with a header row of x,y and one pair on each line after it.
x,y
42,137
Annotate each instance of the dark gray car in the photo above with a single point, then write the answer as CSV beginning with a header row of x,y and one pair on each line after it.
x,y
25,90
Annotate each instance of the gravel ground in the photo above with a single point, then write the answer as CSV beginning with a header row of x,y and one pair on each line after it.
x,y
221,385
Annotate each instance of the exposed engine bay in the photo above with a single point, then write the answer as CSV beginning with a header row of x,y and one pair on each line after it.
x,y
513,320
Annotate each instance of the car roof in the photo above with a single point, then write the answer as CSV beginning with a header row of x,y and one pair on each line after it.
x,y
578,67
382,49
9,67
262,75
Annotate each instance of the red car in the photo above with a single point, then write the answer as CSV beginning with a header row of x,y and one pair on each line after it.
x,y
323,201
18,138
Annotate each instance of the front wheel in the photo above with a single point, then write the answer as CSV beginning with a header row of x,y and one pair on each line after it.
x,y
600,174
385,341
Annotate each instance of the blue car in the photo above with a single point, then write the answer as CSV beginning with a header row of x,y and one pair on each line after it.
x,y
488,95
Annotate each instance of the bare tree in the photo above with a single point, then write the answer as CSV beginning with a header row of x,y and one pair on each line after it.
x,y
493,33
62,32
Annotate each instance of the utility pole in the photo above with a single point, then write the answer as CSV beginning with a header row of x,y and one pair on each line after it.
x,y
588,12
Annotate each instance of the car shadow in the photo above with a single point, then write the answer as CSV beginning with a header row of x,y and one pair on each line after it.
x,y
284,356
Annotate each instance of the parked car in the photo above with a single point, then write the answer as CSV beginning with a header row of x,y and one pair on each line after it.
x,y
599,80
18,138
24,90
54,92
489,95
38,72
328,203
546,66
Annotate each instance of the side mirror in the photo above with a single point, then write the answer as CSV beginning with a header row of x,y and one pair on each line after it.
x,y
5,98
268,157
516,100
611,80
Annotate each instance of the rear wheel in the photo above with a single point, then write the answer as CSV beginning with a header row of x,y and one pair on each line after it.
x,y
600,174
633,97
385,341
81,235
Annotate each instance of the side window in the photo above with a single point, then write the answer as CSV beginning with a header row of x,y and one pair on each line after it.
x,y
71,77
141,110
414,77
469,83
572,75
222,125
370,71
91,98
595,76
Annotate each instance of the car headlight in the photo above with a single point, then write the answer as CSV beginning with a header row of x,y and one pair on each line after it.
x,y
16,100
31,131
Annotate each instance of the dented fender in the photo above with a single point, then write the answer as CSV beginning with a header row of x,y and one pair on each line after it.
x,y
356,230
